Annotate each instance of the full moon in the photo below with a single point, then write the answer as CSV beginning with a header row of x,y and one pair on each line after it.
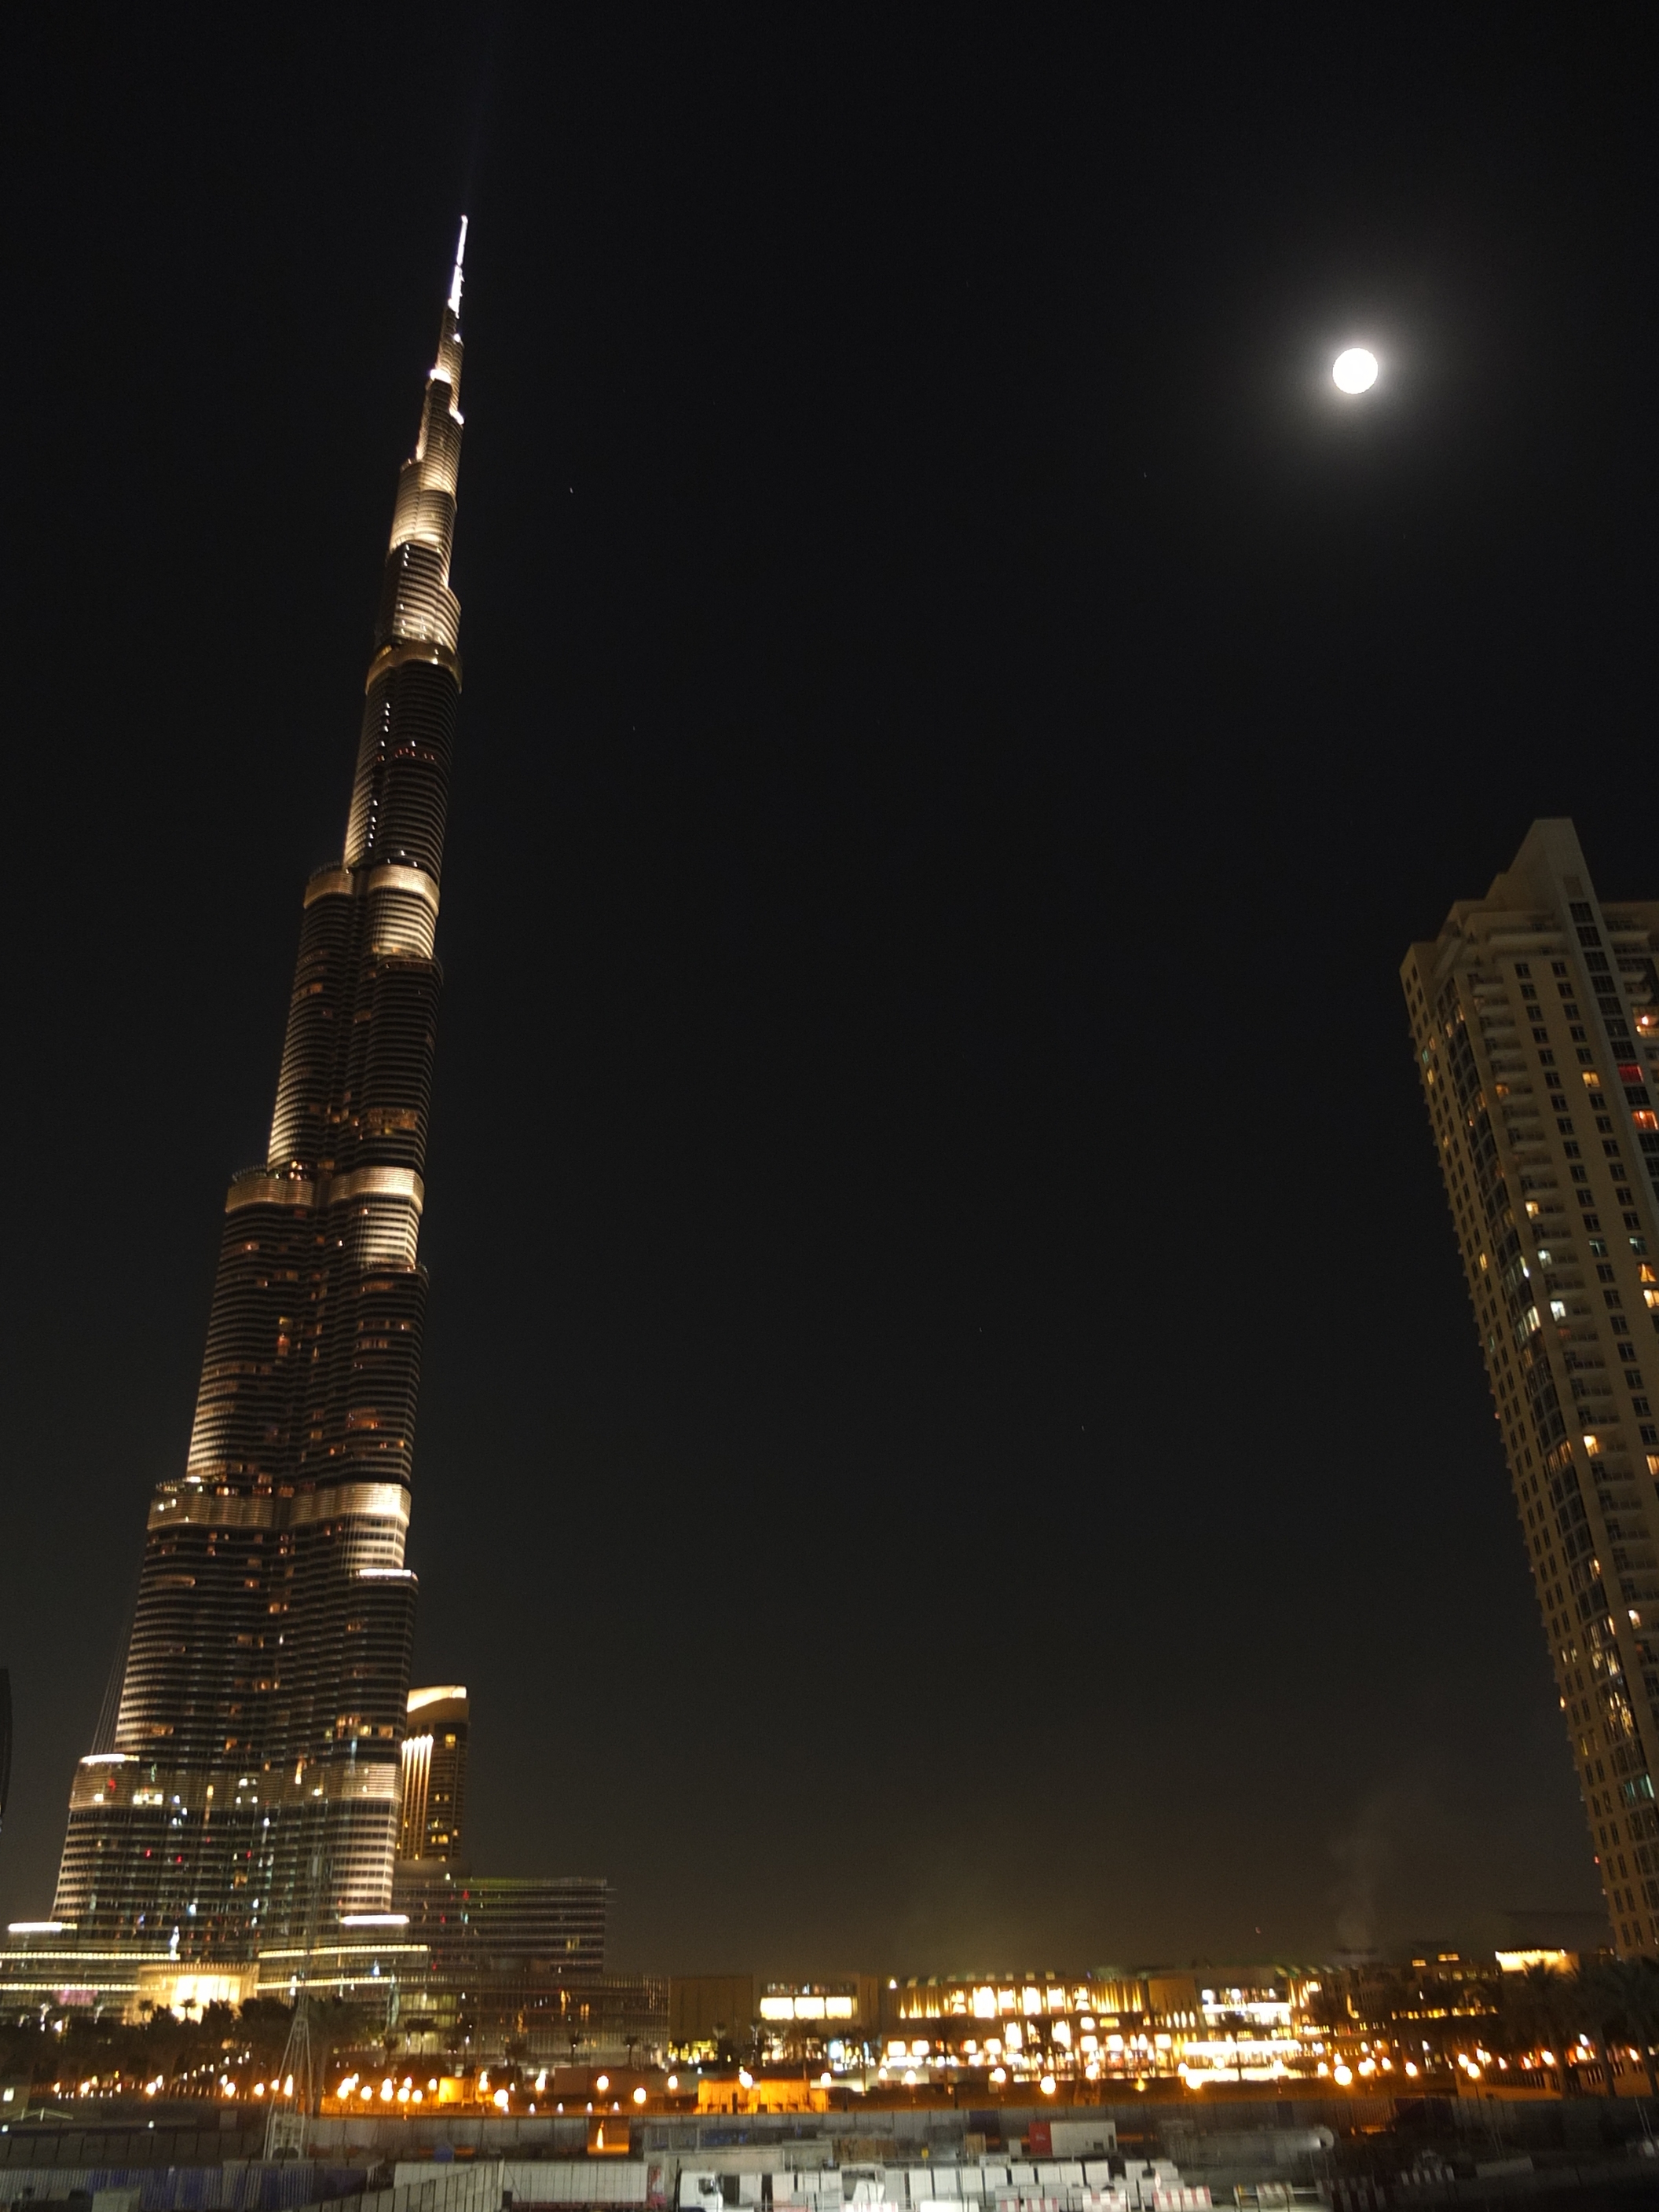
x,y
1355,370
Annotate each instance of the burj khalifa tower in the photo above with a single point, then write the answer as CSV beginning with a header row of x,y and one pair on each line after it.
x,y
246,1791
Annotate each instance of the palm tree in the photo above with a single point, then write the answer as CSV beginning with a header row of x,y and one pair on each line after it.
x,y
1597,1993
1540,2002
1633,1985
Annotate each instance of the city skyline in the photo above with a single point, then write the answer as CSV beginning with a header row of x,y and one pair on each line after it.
x,y
936,1290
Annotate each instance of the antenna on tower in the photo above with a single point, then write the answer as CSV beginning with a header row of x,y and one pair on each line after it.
x,y
455,280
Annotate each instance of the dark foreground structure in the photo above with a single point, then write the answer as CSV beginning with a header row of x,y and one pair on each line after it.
x,y
249,1791
1172,2156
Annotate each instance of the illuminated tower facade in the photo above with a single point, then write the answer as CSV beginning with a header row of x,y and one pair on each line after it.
x,y
432,1814
1536,1016
250,1790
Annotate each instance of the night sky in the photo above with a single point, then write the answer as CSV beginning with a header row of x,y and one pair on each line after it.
x,y
951,1432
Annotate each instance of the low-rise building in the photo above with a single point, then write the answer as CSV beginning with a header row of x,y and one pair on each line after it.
x,y
723,2017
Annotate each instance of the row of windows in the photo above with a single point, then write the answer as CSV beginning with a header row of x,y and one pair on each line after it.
x,y
1463,1198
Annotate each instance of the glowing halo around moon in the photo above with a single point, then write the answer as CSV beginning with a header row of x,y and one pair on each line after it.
x,y
1354,371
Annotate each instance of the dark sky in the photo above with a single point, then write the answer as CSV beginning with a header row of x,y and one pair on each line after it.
x,y
951,1431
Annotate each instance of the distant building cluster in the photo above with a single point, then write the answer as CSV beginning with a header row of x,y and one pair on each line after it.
x,y
479,2012
1398,2021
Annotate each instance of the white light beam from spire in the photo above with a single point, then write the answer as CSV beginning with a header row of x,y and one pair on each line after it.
x,y
455,282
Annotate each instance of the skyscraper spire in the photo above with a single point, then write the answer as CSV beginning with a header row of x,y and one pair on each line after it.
x,y
251,1796
455,280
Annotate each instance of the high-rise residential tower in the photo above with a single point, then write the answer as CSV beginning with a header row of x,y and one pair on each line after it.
x,y
1535,1016
249,1790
